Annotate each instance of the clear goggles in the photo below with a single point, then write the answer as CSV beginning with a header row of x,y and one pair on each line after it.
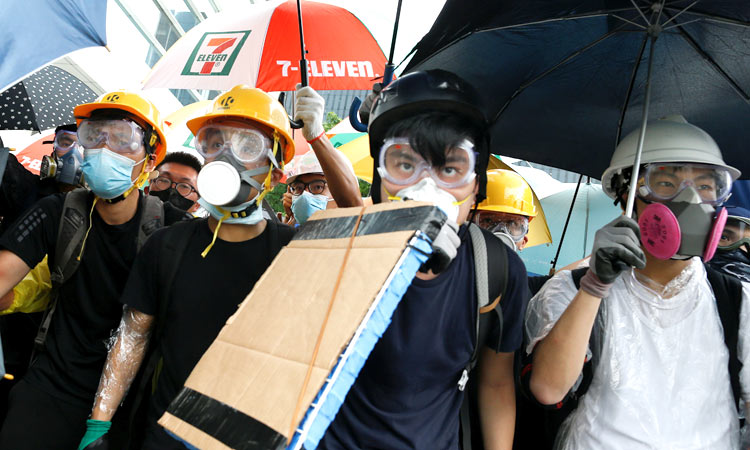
x,y
736,233
514,225
120,135
246,143
400,164
666,181
64,142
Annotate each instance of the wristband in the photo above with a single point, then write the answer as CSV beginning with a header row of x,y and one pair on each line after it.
x,y
592,285
315,139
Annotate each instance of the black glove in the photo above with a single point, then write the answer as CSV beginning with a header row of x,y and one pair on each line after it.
x,y
366,106
101,443
444,248
616,247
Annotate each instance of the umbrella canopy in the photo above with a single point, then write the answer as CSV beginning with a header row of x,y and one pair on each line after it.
x,y
260,47
31,156
591,211
36,32
565,79
43,100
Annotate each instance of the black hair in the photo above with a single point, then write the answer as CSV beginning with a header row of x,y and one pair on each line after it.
x,y
69,127
184,158
430,134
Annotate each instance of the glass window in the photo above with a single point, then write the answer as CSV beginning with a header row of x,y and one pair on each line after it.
x,y
182,13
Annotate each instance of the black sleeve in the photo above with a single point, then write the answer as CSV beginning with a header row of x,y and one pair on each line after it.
x,y
34,234
536,283
18,192
141,289
513,305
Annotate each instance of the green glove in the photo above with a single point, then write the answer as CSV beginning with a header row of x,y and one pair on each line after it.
x,y
95,429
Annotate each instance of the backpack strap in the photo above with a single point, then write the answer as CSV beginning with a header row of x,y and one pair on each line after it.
x,y
74,222
728,293
491,280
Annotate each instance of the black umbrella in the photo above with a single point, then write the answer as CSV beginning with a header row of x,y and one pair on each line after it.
x,y
43,100
564,80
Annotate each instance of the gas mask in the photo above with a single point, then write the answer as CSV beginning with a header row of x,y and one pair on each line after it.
x,y
735,263
225,184
64,169
506,239
682,227
427,191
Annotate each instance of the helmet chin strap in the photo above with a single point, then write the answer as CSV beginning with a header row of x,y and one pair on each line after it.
x,y
267,182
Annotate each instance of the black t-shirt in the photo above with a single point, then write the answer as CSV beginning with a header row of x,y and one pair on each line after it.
x,y
204,293
88,308
406,395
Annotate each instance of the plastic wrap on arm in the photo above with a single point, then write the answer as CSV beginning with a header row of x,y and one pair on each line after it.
x,y
743,346
32,294
125,357
546,307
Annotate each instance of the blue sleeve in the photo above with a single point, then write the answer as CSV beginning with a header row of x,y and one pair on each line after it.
x,y
513,305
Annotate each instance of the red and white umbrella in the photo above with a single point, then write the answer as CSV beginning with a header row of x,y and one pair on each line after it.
x,y
261,47
31,156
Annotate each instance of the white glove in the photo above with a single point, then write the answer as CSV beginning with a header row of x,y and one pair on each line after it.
x,y
444,248
309,108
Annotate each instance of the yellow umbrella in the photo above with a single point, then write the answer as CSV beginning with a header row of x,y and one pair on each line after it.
x,y
358,152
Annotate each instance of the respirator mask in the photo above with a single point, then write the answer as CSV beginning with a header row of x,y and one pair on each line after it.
x,y
681,219
64,164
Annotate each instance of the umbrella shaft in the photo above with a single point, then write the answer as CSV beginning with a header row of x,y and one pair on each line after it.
x,y
395,32
642,133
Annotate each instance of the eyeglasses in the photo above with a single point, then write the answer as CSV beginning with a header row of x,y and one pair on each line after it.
x,y
516,226
64,141
401,164
667,180
246,143
121,135
314,187
164,183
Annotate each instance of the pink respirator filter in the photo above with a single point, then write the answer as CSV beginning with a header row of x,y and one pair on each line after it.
x,y
715,235
660,231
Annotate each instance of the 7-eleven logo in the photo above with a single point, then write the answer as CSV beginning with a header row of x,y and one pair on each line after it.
x,y
215,53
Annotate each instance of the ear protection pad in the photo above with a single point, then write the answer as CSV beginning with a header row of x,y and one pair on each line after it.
x,y
660,231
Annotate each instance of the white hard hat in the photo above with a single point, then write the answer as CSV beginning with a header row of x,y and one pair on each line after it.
x,y
306,164
669,139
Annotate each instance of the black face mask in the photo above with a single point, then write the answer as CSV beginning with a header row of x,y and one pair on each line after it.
x,y
733,262
172,196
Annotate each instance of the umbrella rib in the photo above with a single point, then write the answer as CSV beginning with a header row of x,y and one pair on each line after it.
x,y
540,22
522,87
715,18
702,53
637,8
679,13
628,21
624,108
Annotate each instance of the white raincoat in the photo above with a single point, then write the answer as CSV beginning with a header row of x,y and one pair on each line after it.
x,y
660,365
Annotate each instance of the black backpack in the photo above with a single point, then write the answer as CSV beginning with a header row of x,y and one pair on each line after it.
x,y
491,280
71,234
548,418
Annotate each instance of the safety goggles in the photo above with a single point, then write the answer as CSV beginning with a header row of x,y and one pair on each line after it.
x,y
65,141
247,144
314,187
666,181
164,183
120,135
400,164
514,225
736,233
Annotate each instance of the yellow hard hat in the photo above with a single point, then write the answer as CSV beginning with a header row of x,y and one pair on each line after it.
x,y
250,103
136,105
508,192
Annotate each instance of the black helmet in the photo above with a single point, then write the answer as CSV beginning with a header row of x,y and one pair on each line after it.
x,y
420,92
